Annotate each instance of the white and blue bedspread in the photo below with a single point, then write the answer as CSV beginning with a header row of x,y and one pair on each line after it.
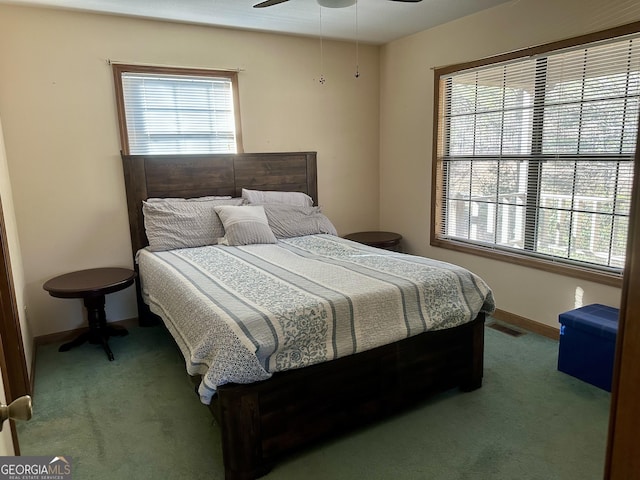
x,y
239,314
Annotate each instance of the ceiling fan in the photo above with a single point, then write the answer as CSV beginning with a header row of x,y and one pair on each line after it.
x,y
324,3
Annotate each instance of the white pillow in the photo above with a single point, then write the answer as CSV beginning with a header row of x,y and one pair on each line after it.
x,y
244,225
269,196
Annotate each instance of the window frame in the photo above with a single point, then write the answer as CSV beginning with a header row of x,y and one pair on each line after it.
x,y
437,176
120,68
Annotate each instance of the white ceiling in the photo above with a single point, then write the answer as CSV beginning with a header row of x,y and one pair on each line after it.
x,y
379,21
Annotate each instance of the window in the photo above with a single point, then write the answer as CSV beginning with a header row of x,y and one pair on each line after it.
x,y
177,111
534,155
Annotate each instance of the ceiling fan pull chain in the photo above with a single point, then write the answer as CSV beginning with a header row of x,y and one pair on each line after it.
x,y
357,75
322,80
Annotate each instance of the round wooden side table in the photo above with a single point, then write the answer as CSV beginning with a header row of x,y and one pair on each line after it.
x,y
92,285
386,240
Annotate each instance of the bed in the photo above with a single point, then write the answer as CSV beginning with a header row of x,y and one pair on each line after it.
x,y
287,405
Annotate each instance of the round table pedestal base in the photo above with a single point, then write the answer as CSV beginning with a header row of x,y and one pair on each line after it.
x,y
99,332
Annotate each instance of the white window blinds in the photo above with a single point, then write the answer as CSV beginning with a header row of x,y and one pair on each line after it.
x,y
535,155
178,114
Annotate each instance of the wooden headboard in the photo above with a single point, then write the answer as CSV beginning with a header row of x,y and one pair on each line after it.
x,y
151,176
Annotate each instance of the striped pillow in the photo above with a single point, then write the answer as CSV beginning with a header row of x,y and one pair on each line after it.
x,y
288,221
244,225
183,223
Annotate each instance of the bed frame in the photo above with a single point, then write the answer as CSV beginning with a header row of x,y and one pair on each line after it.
x,y
263,422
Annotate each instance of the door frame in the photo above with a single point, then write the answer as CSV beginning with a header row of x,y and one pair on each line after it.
x,y
12,355
623,448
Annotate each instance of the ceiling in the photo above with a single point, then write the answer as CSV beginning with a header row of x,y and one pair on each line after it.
x,y
379,21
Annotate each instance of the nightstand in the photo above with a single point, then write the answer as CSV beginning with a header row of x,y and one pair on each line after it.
x,y
386,240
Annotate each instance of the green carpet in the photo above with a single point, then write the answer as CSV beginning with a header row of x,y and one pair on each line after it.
x,y
139,418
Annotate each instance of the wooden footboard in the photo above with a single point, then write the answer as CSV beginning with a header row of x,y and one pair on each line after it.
x,y
262,422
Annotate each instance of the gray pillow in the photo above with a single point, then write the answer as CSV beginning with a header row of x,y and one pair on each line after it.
x,y
268,196
288,221
194,199
180,223
244,225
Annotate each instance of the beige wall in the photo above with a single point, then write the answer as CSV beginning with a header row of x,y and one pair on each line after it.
x,y
15,254
56,102
58,109
406,112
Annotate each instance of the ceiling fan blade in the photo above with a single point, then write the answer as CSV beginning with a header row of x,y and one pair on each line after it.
x,y
269,3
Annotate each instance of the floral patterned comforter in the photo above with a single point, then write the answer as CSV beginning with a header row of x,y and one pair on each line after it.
x,y
239,314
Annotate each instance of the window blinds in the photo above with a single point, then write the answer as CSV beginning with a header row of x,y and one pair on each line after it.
x,y
535,155
178,114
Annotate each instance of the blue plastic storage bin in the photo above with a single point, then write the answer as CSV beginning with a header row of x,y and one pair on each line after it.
x,y
588,344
